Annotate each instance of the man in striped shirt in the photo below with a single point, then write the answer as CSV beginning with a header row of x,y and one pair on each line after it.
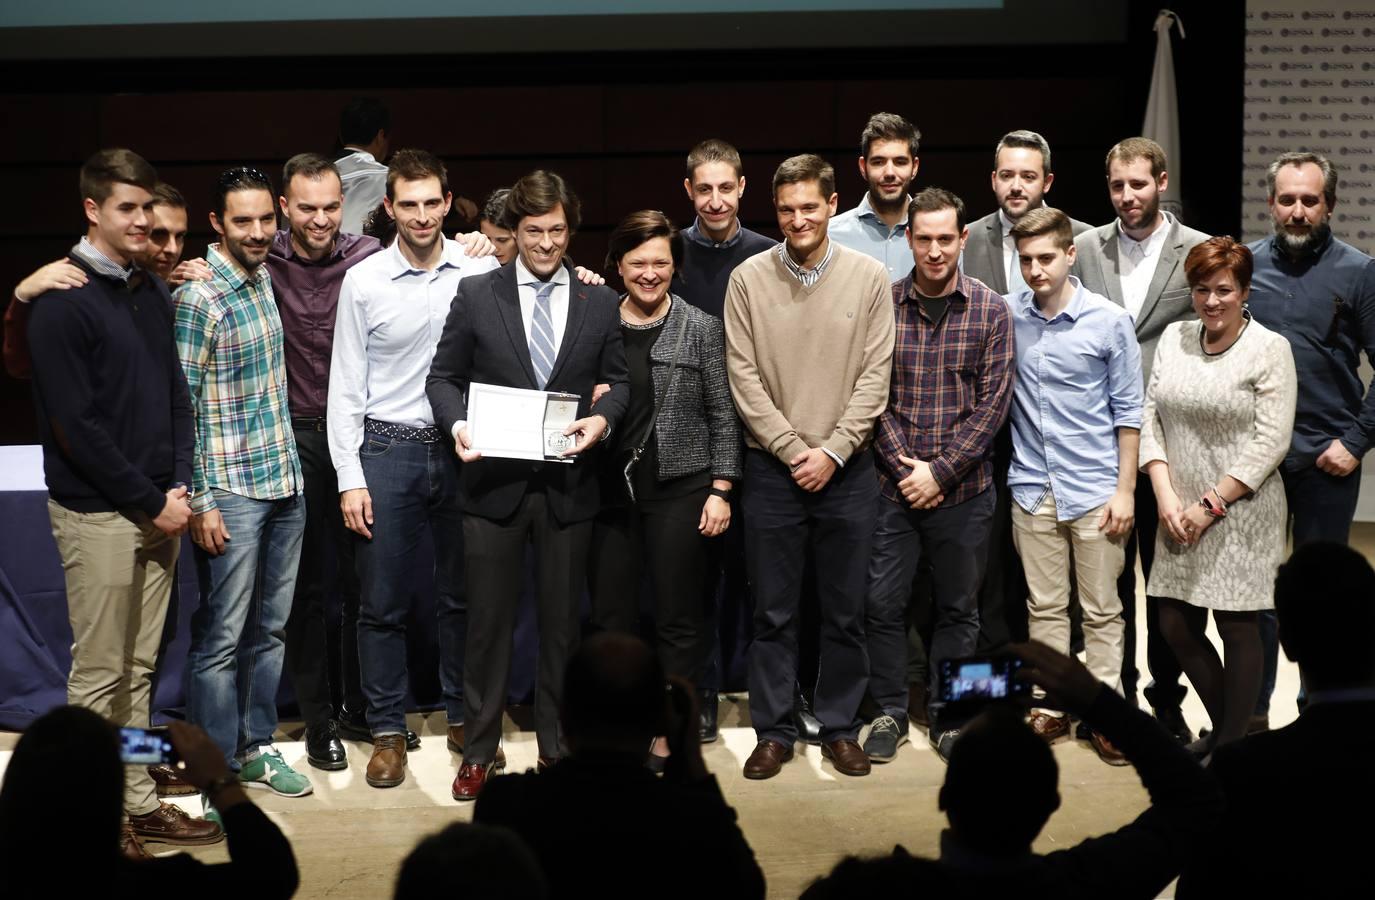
x,y
246,491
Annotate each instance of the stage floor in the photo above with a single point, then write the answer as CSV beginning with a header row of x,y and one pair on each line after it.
x,y
349,838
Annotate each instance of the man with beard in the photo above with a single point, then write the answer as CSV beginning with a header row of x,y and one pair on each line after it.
x,y
1319,293
1137,261
888,163
246,489
396,476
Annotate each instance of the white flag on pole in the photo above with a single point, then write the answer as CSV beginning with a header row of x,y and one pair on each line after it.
x,y
1162,106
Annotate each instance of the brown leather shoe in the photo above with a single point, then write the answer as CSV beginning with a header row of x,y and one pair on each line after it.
x,y
171,825
767,759
1047,727
1106,751
470,779
169,782
130,847
455,744
387,766
847,757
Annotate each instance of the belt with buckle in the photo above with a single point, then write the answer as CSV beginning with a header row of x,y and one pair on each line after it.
x,y
309,423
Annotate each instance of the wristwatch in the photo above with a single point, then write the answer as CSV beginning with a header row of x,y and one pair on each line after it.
x,y
723,493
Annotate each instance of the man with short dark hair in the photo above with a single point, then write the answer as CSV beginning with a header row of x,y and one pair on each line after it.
x,y
246,486
117,433
1137,261
716,242
1076,428
396,476
365,133
530,325
888,164
1319,292
949,395
809,345
614,704
1315,771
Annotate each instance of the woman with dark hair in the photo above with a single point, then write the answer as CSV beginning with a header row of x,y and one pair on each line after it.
x,y
1217,422
666,482
61,829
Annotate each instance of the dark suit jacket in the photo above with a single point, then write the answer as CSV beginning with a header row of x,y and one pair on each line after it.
x,y
1167,299
983,254
484,341
1298,810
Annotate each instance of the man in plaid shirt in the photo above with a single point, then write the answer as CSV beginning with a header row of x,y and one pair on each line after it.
x,y
949,395
249,512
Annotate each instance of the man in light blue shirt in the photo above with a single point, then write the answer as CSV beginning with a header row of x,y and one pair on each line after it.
x,y
888,162
397,474
1076,424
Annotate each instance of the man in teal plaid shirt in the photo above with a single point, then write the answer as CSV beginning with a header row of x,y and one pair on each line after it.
x,y
246,491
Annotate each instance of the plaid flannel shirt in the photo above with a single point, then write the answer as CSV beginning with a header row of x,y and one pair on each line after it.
x,y
950,392
229,338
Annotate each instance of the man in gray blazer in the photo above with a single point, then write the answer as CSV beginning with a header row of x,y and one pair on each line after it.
x,y
1021,179
1137,260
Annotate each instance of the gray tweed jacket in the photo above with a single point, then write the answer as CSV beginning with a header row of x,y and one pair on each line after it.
x,y
698,428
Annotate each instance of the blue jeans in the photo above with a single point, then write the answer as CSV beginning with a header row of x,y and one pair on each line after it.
x,y
238,632
413,485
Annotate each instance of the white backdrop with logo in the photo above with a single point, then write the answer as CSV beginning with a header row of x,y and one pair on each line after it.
x,y
1310,85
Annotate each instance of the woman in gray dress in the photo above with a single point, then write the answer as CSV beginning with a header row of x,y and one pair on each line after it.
x,y
1217,422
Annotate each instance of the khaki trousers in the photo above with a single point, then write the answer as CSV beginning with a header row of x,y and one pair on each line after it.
x,y
1046,547
118,571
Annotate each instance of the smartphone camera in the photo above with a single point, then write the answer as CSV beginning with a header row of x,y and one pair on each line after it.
x,y
969,683
147,747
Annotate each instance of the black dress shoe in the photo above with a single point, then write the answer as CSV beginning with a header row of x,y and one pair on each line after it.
x,y
324,750
808,725
707,729
353,726
1172,720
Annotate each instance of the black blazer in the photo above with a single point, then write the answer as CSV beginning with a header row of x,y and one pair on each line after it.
x,y
484,341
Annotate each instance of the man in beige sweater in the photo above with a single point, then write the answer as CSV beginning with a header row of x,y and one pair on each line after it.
x,y
809,344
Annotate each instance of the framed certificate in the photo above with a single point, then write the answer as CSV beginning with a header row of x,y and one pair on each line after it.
x,y
515,423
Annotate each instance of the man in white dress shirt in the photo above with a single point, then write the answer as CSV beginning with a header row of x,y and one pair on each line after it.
x,y
1137,260
396,475
364,130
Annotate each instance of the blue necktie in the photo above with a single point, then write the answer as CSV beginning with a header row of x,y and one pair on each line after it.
x,y
542,335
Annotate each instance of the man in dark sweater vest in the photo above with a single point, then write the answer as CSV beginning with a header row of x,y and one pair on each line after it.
x,y
713,246
115,421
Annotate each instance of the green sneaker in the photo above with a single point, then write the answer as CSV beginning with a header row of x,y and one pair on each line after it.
x,y
210,813
269,770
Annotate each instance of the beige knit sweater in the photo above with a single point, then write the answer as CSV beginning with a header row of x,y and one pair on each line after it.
x,y
809,366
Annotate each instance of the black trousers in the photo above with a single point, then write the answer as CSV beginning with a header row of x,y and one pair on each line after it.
x,y
1003,593
1166,690
494,560
326,562
661,536
781,522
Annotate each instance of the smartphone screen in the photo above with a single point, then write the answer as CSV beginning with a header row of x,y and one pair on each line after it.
x,y
146,747
979,679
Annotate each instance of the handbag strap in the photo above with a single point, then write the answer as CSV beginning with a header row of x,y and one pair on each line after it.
x,y
672,369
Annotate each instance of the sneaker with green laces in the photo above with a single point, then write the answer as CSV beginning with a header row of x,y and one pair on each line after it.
x,y
268,770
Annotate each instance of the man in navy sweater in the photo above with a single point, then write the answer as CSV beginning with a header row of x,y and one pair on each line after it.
x,y
115,421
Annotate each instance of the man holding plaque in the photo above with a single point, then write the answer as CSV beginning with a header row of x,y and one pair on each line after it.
x,y
528,325
396,475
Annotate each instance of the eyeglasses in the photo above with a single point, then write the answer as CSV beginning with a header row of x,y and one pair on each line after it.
x,y
242,175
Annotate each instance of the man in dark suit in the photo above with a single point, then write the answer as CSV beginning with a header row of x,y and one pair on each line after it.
x,y
1137,261
1304,789
530,325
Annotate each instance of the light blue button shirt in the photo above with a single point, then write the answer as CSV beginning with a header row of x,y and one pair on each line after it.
x,y
1078,381
860,229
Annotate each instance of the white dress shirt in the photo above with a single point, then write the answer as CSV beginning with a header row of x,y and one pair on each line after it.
x,y
528,285
364,181
390,318
1136,262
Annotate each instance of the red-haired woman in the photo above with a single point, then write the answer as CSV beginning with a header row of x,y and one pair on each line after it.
x,y
1219,411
